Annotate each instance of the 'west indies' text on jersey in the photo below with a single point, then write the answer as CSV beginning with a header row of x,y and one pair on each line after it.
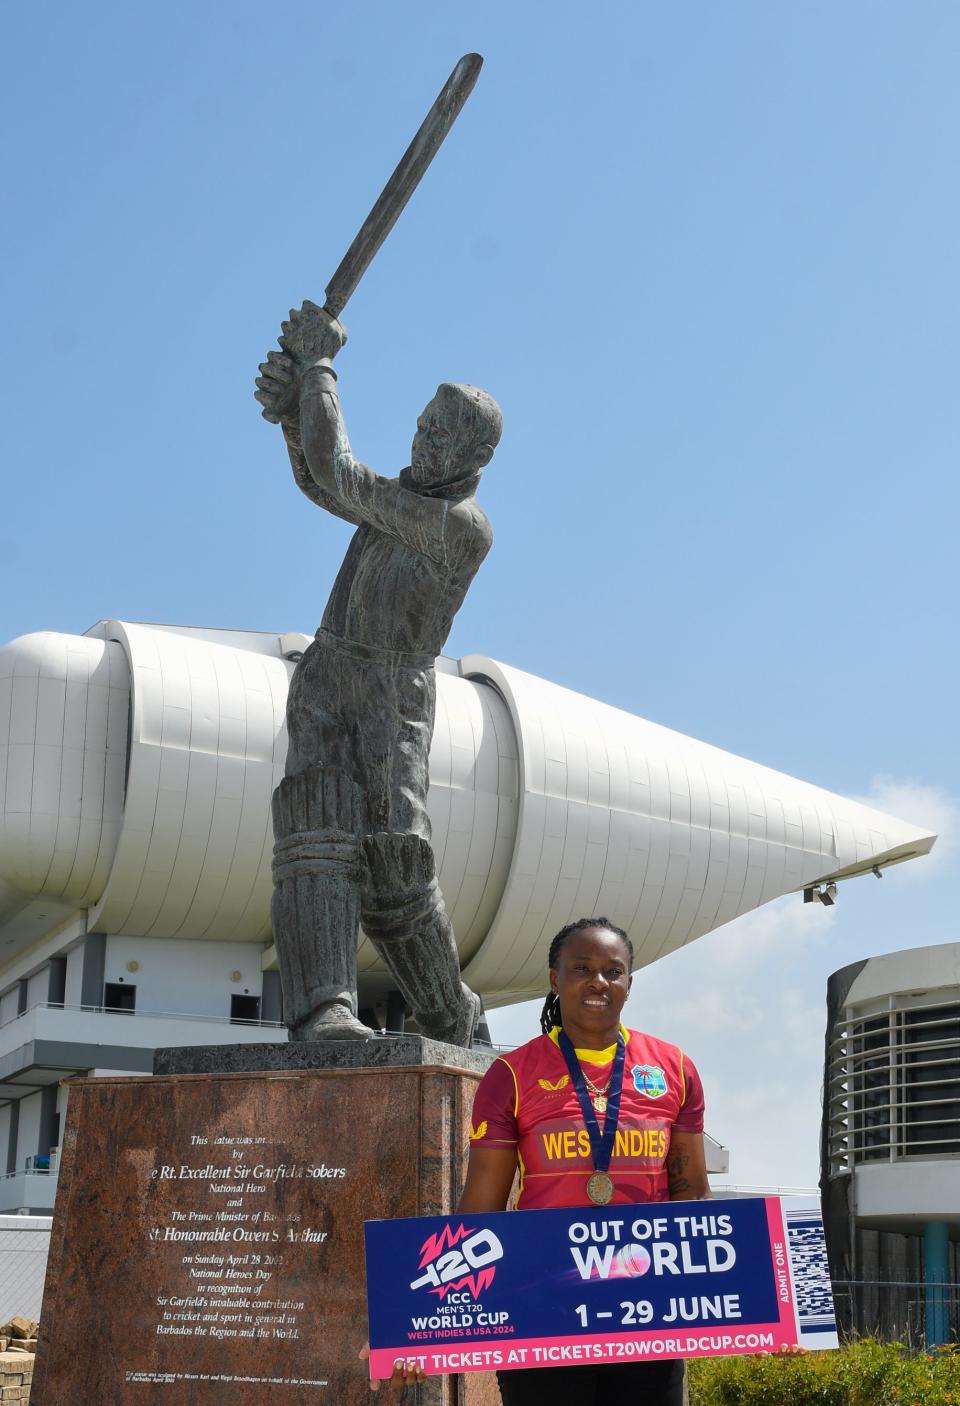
x,y
526,1100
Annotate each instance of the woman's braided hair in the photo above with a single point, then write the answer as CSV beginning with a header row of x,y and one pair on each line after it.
x,y
550,1015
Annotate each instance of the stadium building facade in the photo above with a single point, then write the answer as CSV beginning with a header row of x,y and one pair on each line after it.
x,y
890,1157
137,764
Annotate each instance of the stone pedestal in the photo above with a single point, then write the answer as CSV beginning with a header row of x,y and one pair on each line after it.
x,y
207,1243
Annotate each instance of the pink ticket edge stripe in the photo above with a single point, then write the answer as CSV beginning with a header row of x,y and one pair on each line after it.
x,y
685,1342
781,1272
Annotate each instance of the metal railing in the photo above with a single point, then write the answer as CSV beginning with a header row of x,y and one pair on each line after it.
x,y
43,1164
33,1167
894,1310
134,1014
201,1019
741,1188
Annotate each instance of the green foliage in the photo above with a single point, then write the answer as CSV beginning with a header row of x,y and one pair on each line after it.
x,y
865,1373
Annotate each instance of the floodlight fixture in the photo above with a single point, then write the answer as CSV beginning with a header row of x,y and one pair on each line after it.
x,y
821,893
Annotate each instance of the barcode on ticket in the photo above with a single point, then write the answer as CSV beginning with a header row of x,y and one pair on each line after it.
x,y
811,1275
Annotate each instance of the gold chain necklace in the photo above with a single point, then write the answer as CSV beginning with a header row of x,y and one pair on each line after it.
x,y
598,1093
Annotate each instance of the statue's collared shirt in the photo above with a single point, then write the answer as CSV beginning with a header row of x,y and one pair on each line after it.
x,y
413,555
526,1101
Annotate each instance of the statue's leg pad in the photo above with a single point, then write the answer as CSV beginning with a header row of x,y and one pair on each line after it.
x,y
459,1031
404,916
316,903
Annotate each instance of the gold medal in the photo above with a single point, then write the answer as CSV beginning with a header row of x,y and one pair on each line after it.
x,y
600,1188
593,1099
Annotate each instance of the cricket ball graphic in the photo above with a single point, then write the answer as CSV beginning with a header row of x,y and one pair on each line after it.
x,y
631,1261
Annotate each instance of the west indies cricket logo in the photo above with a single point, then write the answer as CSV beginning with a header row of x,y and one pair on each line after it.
x,y
458,1258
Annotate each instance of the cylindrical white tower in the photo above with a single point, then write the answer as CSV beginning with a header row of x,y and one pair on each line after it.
x,y
891,1130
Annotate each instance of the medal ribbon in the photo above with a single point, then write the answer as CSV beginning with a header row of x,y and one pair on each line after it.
x,y
601,1144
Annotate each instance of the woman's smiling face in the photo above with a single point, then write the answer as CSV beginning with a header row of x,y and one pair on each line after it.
x,y
592,979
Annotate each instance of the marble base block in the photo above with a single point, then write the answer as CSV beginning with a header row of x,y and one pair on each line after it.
x,y
207,1244
384,1052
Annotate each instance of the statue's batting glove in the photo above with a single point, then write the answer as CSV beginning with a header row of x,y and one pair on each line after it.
x,y
311,334
278,387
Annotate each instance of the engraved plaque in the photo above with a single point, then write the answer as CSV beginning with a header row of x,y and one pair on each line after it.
x,y
207,1242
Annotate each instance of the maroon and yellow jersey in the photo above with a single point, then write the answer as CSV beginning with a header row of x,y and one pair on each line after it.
x,y
526,1101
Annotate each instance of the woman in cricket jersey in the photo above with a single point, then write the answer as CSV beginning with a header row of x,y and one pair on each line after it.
x,y
590,1113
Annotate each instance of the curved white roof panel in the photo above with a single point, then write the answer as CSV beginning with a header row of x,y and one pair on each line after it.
x,y
63,740
137,764
666,836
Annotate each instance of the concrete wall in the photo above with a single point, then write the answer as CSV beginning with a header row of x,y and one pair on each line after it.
x,y
186,978
29,1134
38,987
4,1137
74,976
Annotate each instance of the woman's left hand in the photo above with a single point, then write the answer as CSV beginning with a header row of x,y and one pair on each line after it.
x,y
406,1372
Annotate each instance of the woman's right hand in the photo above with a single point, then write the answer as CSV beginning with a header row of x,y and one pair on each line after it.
x,y
405,1372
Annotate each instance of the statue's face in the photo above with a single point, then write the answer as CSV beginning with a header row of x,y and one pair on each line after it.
x,y
433,447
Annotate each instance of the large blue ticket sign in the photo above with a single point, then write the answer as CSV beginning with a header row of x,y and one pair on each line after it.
x,y
516,1289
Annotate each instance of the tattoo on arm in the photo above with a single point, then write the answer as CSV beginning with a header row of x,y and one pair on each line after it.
x,y
677,1181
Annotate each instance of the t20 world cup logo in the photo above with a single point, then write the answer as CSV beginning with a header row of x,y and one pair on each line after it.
x,y
458,1258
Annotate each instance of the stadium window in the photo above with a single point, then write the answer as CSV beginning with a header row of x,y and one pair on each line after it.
x,y
120,998
244,1010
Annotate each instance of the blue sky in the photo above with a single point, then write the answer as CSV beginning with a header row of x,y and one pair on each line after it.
x,y
704,256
